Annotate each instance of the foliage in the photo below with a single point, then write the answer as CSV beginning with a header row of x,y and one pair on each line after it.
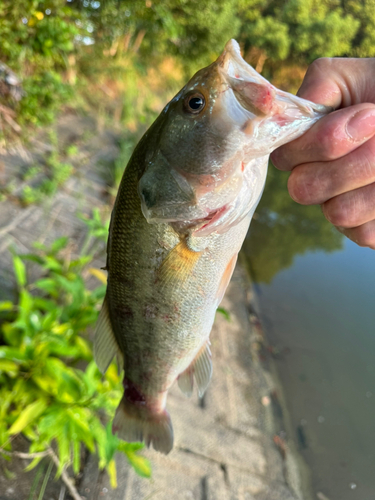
x,y
53,175
297,31
50,387
45,91
42,179
224,312
107,49
36,39
189,29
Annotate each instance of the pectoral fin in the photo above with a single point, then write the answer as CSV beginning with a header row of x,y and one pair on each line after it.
x,y
178,265
225,279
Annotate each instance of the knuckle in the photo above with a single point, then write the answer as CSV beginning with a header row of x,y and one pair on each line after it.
x,y
320,65
303,187
328,149
363,164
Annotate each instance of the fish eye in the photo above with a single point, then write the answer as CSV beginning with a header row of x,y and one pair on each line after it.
x,y
194,103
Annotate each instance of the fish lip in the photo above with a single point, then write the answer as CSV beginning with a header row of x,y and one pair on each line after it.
x,y
235,69
232,64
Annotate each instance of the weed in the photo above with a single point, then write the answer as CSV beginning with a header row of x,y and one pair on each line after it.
x,y
46,394
54,174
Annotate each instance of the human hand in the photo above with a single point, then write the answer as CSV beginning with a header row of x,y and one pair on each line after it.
x,y
333,164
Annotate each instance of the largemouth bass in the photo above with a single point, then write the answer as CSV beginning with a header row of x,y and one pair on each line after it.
x,y
181,214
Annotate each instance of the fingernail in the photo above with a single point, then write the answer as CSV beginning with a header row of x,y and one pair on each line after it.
x,y
275,158
361,125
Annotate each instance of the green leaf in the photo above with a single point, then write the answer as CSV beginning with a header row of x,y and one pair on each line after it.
x,y
30,413
60,379
53,264
19,271
47,383
9,474
124,447
45,481
12,353
25,301
76,456
111,469
224,312
6,305
33,464
47,285
59,244
140,464
32,257
7,365
64,452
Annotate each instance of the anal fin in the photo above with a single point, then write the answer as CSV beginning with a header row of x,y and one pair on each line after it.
x,y
105,344
200,370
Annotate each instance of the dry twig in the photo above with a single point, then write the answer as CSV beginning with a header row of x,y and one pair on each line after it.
x,y
48,453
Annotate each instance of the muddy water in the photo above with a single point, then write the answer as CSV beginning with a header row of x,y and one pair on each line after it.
x,y
316,293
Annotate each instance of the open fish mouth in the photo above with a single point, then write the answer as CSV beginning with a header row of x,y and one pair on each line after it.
x,y
271,109
237,119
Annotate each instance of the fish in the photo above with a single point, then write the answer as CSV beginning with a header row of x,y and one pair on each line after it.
x,y
182,211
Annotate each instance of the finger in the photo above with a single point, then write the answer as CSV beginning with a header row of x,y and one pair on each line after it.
x,y
315,183
363,235
339,82
351,209
334,136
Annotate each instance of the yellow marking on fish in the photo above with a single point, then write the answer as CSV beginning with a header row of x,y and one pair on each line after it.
x,y
178,264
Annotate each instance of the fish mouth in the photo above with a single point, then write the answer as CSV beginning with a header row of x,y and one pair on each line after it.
x,y
247,118
233,64
257,95
252,92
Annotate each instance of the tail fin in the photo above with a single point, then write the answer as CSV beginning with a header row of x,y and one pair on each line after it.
x,y
134,423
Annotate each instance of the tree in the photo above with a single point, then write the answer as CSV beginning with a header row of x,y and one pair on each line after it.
x,y
297,31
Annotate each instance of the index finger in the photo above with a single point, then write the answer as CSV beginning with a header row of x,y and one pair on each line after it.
x,y
332,137
339,83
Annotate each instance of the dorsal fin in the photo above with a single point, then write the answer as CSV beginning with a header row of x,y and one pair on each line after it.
x,y
105,344
201,369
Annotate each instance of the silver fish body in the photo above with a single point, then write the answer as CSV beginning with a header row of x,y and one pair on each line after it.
x,y
181,214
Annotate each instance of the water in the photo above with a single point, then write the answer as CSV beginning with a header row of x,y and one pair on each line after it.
x,y
317,302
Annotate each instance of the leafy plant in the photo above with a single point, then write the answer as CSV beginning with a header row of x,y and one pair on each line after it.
x,y
53,175
51,390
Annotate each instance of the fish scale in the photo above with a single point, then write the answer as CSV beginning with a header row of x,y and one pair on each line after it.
x,y
181,214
